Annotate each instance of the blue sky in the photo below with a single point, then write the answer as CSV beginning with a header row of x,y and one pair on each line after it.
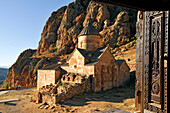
x,y
21,24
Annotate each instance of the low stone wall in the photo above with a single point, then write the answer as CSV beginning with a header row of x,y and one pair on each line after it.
x,y
49,99
51,95
81,88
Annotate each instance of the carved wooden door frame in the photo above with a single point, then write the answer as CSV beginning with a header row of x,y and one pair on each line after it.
x,y
148,31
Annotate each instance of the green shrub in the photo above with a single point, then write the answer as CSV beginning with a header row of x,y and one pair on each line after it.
x,y
59,17
134,38
127,39
56,49
52,50
129,45
6,85
118,43
134,44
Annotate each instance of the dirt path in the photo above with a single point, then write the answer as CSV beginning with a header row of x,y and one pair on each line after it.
x,y
22,106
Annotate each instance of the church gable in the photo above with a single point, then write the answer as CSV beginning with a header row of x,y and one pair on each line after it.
x,y
106,56
124,66
76,59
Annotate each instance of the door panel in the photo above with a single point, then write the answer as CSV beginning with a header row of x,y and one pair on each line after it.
x,y
156,59
155,71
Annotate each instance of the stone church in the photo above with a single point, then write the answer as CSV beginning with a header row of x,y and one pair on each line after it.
x,y
89,63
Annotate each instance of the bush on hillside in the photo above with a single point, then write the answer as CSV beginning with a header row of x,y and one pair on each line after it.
x,y
6,85
134,38
129,45
118,43
134,44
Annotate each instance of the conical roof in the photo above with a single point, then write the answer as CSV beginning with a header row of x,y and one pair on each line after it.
x,y
89,30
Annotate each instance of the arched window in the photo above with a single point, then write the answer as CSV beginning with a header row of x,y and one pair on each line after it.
x,y
64,78
74,76
68,78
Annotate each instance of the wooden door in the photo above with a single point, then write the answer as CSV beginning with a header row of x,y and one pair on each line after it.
x,y
155,50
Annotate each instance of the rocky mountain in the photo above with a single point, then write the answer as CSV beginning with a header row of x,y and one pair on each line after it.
x,y
59,36
3,73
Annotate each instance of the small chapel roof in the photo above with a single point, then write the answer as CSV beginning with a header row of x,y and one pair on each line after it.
x,y
52,67
99,52
89,30
119,63
56,67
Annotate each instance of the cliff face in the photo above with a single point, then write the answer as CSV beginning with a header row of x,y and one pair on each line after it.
x,y
59,36
3,73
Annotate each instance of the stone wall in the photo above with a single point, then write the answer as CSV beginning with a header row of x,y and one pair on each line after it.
x,y
73,90
73,78
52,94
116,76
89,42
83,69
49,99
108,74
104,72
76,59
47,77
124,75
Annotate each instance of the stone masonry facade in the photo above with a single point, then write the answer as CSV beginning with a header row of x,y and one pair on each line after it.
x,y
87,69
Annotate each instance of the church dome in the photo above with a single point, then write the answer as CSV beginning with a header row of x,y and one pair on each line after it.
x,y
89,38
89,30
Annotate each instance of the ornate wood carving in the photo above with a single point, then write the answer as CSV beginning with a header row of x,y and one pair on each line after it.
x,y
155,48
156,58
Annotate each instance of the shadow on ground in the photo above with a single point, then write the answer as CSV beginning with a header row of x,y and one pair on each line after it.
x,y
115,95
8,103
